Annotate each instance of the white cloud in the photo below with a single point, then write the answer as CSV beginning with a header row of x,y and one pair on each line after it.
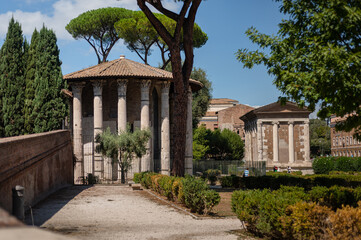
x,y
63,12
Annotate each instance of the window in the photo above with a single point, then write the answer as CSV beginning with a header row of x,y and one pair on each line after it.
x,y
346,140
351,140
333,142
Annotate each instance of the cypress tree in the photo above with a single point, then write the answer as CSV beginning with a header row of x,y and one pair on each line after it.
x,y
49,104
30,82
12,81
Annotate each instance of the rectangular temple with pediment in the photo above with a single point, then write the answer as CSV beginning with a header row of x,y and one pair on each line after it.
x,y
279,135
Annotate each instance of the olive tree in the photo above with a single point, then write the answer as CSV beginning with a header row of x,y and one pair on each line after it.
x,y
122,147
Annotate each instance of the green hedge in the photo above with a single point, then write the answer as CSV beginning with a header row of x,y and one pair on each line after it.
x,y
274,181
193,192
324,165
267,213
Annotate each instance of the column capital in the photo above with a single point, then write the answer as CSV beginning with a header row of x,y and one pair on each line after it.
x,y
165,87
145,84
122,87
291,122
97,87
275,122
77,88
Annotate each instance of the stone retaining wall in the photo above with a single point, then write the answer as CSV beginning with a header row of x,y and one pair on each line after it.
x,y
42,163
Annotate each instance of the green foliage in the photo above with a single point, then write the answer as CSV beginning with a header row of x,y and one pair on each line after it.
x,y
49,108
323,165
345,223
140,36
201,138
320,140
97,28
128,144
225,145
12,81
305,221
201,98
192,192
30,73
315,57
212,175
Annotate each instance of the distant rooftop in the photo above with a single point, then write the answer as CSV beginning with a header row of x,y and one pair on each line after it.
x,y
223,101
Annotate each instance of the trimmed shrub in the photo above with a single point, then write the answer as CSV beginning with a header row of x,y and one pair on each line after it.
x,y
137,177
193,189
230,181
212,175
344,164
346,223
192,192
305,221
323,165
211,199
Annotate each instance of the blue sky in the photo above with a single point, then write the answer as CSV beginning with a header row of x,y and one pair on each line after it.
x,y
224,21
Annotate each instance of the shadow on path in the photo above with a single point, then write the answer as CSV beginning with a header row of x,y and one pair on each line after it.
x,y
52,204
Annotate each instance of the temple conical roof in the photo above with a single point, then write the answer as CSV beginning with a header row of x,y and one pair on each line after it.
x,y
123,68
120,68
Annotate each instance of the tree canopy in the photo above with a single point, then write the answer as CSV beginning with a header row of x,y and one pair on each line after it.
x,y
12,81
49,108
140,36
123,147
97,28
201,98
217,144
315,57
320,137
30,83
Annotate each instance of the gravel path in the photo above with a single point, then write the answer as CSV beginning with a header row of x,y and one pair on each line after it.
x,y
118,212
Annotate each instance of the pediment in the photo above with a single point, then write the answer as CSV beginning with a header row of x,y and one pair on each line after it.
x,y
288,107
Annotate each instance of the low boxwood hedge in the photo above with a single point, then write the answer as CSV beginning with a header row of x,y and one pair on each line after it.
x,y
274,181
293,213
193,192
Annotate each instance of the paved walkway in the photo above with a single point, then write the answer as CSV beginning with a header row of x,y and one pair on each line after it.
x,y
118,212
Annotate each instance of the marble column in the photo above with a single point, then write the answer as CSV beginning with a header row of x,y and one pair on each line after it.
x,y
291,148
98,167
144,122
306,133
259,141
275,142
77,132
122,104
189,137
165,130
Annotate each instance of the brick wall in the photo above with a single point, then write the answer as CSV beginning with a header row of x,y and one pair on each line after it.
x,y
42,163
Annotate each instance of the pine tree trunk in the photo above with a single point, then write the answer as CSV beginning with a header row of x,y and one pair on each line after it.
x,y
179,115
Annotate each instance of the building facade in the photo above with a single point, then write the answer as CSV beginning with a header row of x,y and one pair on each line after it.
x,y
279,135
210,119
343,143
229,118
117,93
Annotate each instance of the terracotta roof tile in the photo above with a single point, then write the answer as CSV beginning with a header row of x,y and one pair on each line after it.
x,y
124,68
121,67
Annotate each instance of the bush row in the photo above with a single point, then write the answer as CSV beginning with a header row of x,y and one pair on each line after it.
x,y
289,213
274,181
193,192
324,165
